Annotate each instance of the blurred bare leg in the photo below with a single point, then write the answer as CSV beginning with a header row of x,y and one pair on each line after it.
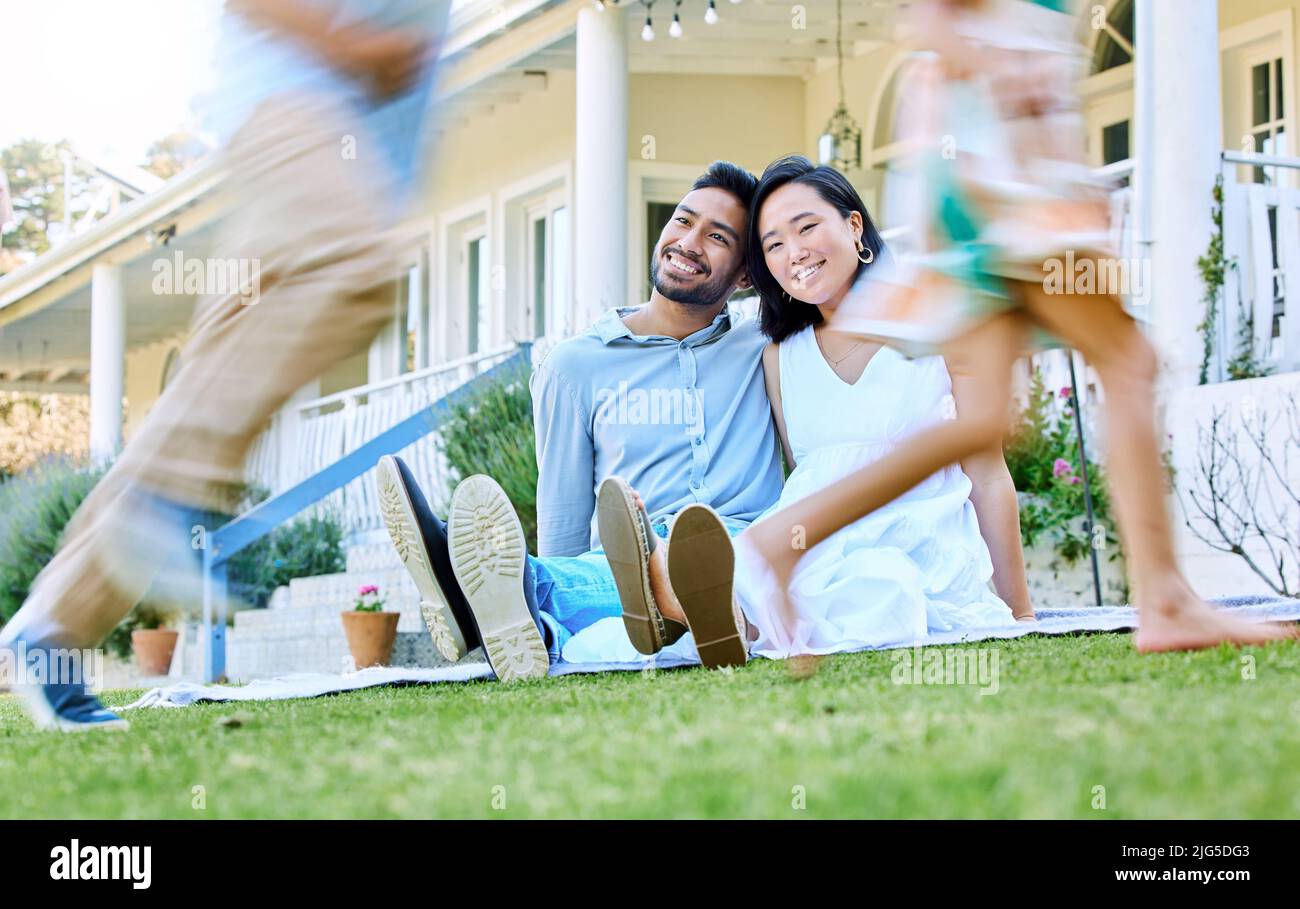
x,y
326,269
1171,615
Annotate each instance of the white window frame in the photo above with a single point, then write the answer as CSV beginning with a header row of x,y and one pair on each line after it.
x,y
1266,37
457,228
1268,57
558,312
515,206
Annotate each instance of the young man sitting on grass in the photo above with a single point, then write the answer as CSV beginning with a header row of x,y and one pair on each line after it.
x,y
666,397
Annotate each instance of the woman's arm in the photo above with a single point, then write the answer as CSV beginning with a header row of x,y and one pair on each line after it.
x,y
998,512
994,497
772,379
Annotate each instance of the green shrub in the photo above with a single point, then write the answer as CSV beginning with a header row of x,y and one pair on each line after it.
x,y
308,546
492,434
1043,456
35,506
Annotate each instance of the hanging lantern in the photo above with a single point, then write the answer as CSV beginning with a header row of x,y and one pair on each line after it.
x,y
840,144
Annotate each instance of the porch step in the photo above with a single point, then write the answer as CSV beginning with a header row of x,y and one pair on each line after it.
x,y
395,586
303,632
271,642
306,618
373,556
266,653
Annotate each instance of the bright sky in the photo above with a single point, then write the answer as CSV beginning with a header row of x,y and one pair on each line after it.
x,y
110,76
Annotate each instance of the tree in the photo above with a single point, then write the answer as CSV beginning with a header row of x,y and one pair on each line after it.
x,y
35,426
174,152
1244,499
36,174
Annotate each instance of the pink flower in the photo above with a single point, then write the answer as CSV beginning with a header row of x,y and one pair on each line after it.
x,y
367,589
1065,391
1062,467
1075,481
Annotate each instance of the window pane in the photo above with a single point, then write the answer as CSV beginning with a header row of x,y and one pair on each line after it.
x,y
472,294
1259,100
1114,142
657,215
1261,143
1110,53
1280,110
410,304
539,277
484,299
561,282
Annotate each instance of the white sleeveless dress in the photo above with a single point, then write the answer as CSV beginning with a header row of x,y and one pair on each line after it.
x,y
915,566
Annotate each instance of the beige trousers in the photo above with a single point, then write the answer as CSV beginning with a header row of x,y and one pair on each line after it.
x,y
313,221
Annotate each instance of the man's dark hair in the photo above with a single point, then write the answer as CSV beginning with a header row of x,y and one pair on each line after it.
x,y
780,317
731,177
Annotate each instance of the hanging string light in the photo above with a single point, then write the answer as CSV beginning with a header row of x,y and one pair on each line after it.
x,y
675,30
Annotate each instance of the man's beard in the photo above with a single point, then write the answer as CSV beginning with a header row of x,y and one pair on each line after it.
x,y
710,293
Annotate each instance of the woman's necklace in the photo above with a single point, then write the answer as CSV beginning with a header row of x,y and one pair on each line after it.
x,y
835,362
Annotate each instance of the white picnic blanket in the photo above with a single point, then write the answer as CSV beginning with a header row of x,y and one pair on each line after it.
x,y
599,636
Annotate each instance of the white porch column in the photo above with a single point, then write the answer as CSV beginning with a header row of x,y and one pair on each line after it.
x,y
1179,150
600,164
107,360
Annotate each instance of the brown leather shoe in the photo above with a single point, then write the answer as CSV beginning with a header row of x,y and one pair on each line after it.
x,y
628,540
701,564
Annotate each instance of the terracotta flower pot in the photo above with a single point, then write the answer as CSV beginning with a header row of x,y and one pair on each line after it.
x,y
370,636
153,649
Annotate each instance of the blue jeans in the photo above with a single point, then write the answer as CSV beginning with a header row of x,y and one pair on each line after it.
x,y
567,593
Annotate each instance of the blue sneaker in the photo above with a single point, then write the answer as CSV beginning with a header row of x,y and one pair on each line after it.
x,y
64,703
66,707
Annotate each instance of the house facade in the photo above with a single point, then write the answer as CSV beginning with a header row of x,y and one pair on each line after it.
x,y
563,138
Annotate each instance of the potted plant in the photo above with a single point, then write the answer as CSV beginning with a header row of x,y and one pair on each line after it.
x,y
371,631
151,640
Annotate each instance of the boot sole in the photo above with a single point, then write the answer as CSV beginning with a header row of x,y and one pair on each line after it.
x,y
403,528
701,566
622,535
487,554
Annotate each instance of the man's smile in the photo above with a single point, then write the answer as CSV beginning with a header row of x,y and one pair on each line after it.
x,y
683,266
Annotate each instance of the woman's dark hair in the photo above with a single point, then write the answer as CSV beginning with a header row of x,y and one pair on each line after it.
x,y
780,317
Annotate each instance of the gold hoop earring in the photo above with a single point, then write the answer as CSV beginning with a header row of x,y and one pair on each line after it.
x,y
871,256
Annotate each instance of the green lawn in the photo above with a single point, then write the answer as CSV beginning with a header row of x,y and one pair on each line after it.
x,y
1181,735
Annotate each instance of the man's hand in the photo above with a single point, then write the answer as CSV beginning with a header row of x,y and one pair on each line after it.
x,y
385,62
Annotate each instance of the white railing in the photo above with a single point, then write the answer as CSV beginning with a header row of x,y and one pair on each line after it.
x,y
304,438
1261,241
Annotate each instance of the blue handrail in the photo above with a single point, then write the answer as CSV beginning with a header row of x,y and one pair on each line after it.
x,y
256,523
